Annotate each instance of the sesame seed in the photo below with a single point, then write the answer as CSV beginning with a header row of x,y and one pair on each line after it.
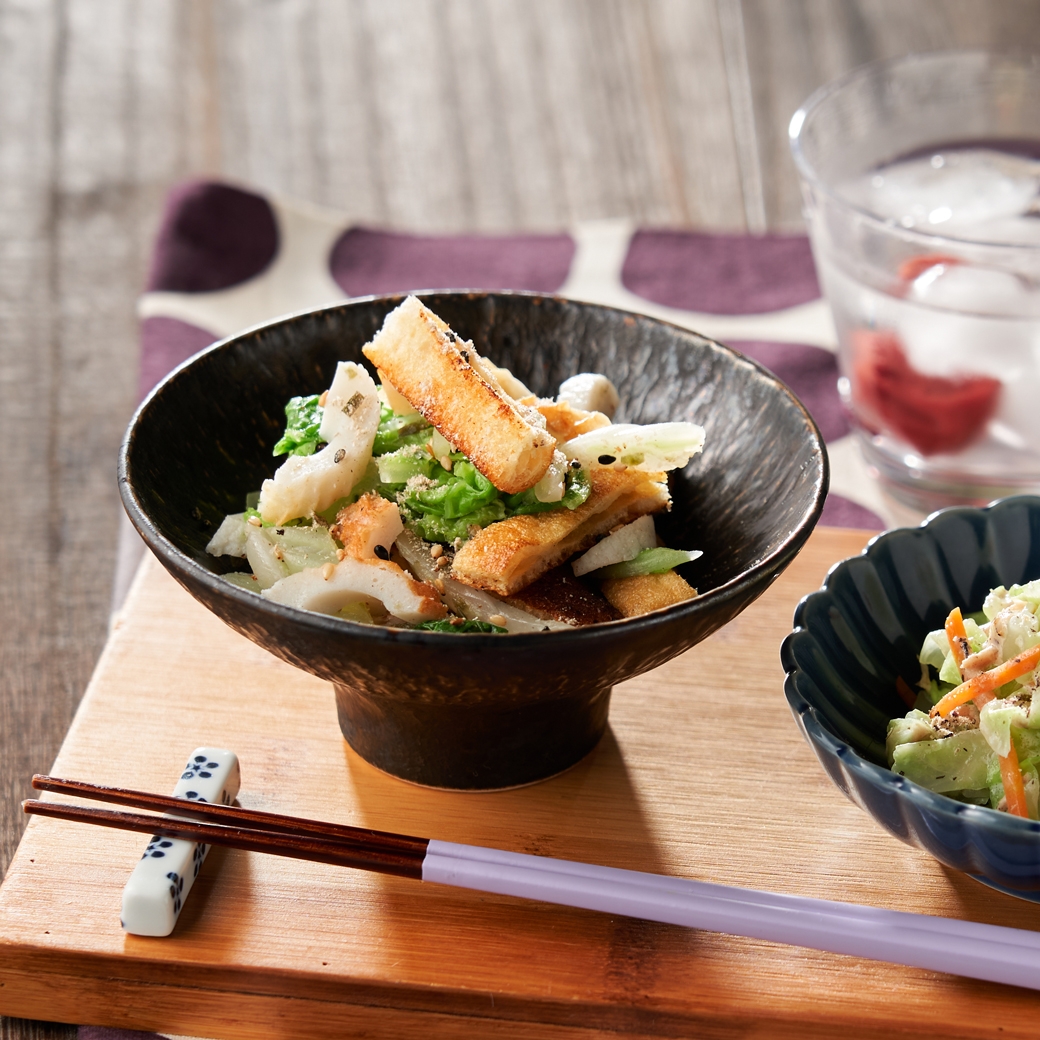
x,y
606,460
438,584
575,464
328,570
382,552
256,521
497,619
445,463
324,397
341,554
437,551
340,455
457,544
443,561
278,554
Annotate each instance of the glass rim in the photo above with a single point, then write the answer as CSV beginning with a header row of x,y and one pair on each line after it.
x,y
876,69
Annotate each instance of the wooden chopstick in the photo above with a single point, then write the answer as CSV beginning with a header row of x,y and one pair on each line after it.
x,y
252,819
276,843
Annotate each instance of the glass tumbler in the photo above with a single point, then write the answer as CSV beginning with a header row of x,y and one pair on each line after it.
x,y
921,185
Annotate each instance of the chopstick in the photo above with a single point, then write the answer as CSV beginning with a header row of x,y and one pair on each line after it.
x,y
253,818
247,829
983,951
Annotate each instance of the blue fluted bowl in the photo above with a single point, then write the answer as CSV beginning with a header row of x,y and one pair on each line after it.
x,y
863,629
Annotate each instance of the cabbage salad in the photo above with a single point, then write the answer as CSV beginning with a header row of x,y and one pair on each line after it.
x,y
974,732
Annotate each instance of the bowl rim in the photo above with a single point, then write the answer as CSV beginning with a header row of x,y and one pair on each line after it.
x,y
166,550
818,733
925,240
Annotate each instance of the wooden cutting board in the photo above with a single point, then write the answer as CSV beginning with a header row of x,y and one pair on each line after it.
x,y
702,774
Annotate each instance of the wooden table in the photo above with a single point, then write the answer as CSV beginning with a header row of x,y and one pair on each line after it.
x,y
541,112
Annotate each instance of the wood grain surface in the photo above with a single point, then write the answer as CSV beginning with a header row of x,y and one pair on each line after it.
x,y
702,774
419,114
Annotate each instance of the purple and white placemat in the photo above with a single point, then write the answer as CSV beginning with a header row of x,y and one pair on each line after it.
x,y
227,258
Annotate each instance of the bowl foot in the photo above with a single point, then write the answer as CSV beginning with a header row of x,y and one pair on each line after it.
x,y
476,747
1019,893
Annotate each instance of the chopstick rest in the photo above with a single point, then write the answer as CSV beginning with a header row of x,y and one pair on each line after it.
x,y
159,885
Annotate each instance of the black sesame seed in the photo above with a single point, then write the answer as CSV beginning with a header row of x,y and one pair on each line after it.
x,y
340,455
382,552
606,460
575,464
280,530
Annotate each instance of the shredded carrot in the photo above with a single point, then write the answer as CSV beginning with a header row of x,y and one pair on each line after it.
x,y
987,682
957,636
906,695
1014,789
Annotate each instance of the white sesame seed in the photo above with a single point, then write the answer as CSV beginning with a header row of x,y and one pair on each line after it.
x,y
443,562
437,551
324,397
328,570
497,619
256,521
445,463
278,554
438,584
341,554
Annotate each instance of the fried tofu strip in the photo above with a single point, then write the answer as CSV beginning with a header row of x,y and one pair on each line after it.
x,y
645,592
507,556
565,422
446,381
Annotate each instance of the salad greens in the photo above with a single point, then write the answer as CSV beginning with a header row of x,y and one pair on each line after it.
x,y
302,422
974,731
648,561
446,625
398,431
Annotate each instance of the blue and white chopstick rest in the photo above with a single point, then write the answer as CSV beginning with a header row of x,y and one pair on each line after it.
x,y
162,879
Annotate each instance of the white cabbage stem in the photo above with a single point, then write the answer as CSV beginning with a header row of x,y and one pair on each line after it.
x,y
661,446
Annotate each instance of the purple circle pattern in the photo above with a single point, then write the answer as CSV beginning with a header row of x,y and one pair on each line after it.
x,y
212,236
365,262
720,274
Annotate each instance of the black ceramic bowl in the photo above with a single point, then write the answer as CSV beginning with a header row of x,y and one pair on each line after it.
x,y
863,629
482,711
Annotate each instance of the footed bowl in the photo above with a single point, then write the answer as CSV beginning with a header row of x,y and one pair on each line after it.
x,y
482,711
